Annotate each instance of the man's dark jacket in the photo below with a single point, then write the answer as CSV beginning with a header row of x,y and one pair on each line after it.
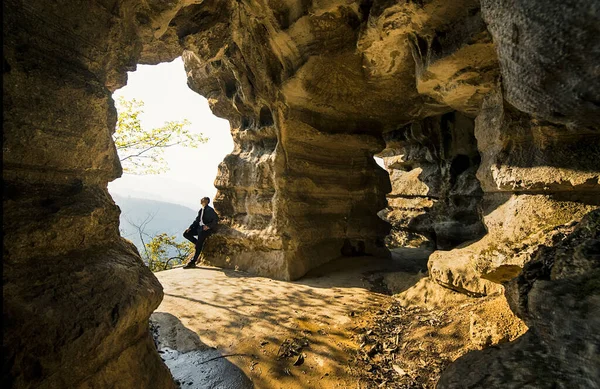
x,y
209,218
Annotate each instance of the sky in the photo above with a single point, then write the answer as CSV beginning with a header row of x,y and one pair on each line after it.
x,y
192,171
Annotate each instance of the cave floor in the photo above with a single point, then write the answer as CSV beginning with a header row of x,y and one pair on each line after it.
x,y
229,329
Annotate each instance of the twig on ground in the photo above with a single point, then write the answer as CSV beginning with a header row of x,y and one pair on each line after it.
x,y
225,356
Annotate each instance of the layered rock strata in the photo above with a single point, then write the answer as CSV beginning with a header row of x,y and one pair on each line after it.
x,y
435,194
558,297
76,296
539,171
320,201
527,193
536,175
310,89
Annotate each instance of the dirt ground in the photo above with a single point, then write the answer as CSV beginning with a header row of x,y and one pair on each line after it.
x,y
338,327
408,342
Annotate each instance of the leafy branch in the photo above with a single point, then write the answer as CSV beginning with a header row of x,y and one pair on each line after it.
x,y
141,150
162,251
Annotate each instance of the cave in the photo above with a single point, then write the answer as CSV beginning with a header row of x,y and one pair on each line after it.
x,y
486,114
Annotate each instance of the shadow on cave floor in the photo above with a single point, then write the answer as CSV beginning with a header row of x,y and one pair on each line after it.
x,y
376,273
299,334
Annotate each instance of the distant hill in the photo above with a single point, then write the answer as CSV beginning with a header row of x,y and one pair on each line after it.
x,y
170,218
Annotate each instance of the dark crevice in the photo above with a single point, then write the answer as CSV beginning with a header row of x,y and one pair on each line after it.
x,y
265,117
365,8
230,89
459,164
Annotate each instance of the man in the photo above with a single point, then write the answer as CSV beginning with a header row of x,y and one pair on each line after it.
x,y
204,225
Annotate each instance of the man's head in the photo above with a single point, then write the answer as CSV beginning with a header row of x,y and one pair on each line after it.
x,y
204,201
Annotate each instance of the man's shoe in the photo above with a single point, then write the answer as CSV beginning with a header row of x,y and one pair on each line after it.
x,y
190,265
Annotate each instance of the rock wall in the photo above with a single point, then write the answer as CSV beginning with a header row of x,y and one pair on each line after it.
x,y
558,297
527,192
487,115
309,90
435,195
76,296
539,141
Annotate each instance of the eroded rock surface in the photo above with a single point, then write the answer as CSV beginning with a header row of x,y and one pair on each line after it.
x,y
76,296
549,58
558,297
527,193
309,89
487,116
435,195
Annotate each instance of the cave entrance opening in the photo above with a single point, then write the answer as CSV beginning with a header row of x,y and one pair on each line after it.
x,y
156,196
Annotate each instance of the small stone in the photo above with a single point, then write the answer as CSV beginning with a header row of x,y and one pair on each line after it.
x,y
401,372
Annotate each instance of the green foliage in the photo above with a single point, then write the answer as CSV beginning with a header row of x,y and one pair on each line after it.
x,y
141,150
163,252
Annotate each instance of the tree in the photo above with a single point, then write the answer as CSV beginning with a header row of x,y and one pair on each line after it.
x,y
141,231
141,150
162,252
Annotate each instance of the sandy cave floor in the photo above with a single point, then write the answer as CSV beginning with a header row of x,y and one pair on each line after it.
x,y
337,327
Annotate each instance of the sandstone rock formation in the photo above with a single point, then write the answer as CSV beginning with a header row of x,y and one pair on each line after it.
x,y
76,297
535,175
435,195
309,93
558,297
487,116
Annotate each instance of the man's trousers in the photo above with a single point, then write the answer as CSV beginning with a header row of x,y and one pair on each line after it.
x,y
202,235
